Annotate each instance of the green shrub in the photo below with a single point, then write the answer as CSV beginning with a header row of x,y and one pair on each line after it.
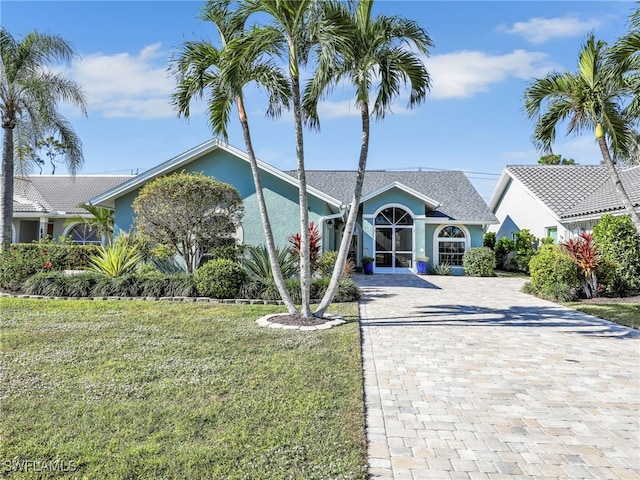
x,y
479,262
489,240
219,279
81,284
619,243
18,263
525,248
233,252
554,274
326,262
502,248
51,284
258,265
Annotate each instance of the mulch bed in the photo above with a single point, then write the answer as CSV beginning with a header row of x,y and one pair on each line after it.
x,y
299,320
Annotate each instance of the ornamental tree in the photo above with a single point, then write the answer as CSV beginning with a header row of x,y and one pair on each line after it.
x,y
189,212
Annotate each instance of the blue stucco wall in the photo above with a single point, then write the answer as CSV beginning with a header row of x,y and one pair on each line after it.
x,y
281,198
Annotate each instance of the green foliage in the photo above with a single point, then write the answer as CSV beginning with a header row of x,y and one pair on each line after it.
x,y
489,240
440,269
233,252
584,254
502,248
255,288
189,212
59,284
116,260
258,265
553,159
219,279
327,261
554,274
619,243
315,243
479,262
525,248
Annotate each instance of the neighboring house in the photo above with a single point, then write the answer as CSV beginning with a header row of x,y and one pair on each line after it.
x,y
43,203
558,201
403,215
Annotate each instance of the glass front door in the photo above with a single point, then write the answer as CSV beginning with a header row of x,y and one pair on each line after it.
x,y
394,240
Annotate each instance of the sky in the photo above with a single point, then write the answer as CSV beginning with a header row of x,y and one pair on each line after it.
x,y
484,56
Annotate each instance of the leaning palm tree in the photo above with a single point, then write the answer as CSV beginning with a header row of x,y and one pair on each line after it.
x,y
292,22
101,221
367,51
589,99
199,67
29,93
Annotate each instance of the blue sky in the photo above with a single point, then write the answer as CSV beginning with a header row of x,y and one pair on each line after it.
x,y
484,55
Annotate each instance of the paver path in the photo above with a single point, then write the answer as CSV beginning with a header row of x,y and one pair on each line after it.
x,y
467,378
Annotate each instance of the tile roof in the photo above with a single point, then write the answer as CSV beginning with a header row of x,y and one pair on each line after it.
x,y
605,198
458,199
60,193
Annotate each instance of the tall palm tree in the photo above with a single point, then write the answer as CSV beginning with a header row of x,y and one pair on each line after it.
x,y
625,54
368,51
101,222
292,22
199,67
589,99
29,94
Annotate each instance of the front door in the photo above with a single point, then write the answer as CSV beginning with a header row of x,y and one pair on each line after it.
x,y
394,241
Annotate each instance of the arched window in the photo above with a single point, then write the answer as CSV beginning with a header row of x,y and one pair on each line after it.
x,y
394,239
452,242
83,234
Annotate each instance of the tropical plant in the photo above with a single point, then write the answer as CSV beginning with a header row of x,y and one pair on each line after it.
x,y
200,66
258,264
625,55
366,51
29,94
101,221
443,268
189,212
327,262
590,99
115,260
315,243
584,254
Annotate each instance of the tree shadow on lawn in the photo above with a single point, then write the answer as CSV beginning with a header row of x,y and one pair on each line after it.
x,y
472,316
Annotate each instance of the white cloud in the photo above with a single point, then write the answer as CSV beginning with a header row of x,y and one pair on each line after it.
x,y
539,30
125,85
466,73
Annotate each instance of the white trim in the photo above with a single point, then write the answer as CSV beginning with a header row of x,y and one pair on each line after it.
x,y
428,200
393,227
107,199
436,250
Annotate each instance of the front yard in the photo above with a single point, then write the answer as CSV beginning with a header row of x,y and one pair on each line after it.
x,y
134,389
623,313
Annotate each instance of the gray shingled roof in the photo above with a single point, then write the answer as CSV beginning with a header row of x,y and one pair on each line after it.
x,y
60,193
574,190
458,198
606,198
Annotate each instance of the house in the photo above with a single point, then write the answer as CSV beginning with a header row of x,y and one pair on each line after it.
x,y
42,204
403,215
558,201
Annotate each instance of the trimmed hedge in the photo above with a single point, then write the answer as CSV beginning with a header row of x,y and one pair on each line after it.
x,y
220,278
554,275
479,262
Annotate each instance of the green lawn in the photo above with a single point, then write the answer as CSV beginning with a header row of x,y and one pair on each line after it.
x,y
623,313
162,390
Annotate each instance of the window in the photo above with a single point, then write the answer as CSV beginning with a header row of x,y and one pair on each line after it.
x,y
451,245
83,234
552,232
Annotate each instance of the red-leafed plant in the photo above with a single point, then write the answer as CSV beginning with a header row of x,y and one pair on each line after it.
x,y
314,245
584,253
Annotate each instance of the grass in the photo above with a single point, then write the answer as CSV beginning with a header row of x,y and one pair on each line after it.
x,y
623,313
155,390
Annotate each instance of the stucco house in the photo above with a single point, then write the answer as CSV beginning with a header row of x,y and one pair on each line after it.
x,y
558,201
403,214
42,204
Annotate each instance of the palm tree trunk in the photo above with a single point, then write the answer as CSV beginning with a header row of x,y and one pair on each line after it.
x,y
264,215
353,215
7,186
305,259
635,219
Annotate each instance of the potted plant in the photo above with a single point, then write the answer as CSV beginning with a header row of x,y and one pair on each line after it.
x,y
367,265
421,265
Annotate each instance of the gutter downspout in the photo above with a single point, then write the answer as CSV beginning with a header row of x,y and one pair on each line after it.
x,y
326,218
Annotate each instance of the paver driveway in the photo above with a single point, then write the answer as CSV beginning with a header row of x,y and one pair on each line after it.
x,y
468,378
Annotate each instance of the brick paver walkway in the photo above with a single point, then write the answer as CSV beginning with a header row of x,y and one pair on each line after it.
x,y
467,378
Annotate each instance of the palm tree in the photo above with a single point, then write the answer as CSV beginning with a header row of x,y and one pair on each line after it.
x,y
29,93
101,222
199,66
367,51
590,100
289,33
625,55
